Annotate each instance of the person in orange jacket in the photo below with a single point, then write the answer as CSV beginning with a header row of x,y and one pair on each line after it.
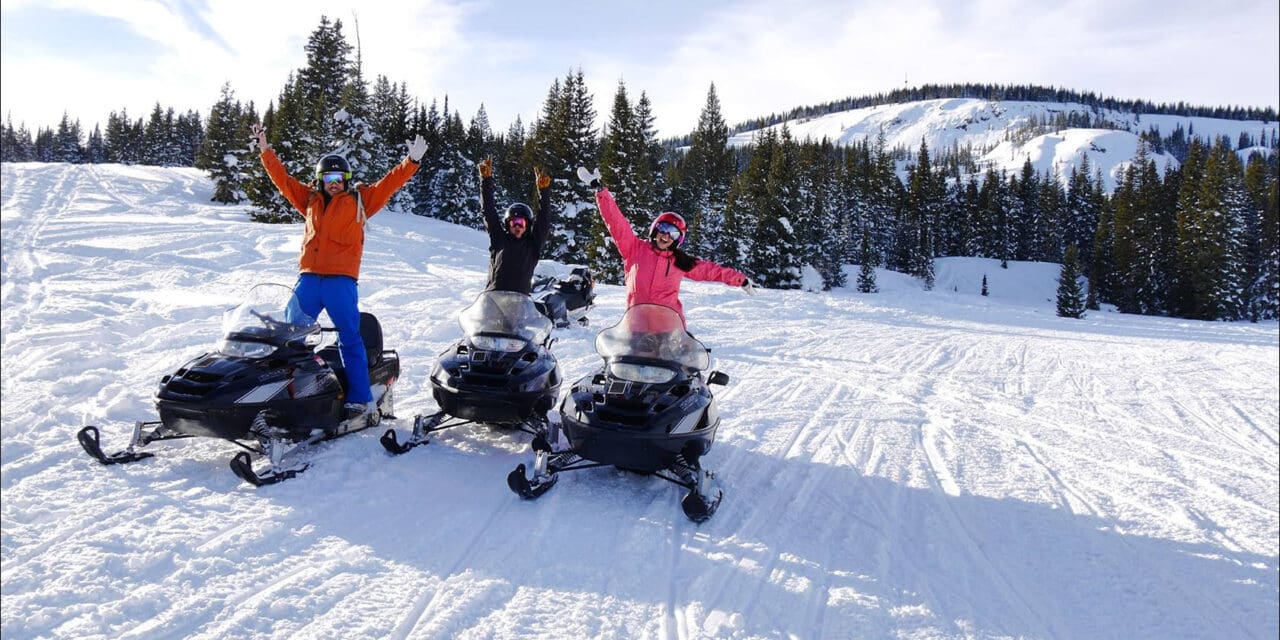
x,y
332,245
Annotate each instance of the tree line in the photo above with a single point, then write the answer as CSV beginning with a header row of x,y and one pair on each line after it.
x,y
1198,241
1023,93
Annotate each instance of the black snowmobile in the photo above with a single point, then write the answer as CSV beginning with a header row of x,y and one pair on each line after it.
x,y
647,410
500,373
266,389
564,299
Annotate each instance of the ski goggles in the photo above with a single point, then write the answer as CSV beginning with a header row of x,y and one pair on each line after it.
x,y
517,223
670,230
330,177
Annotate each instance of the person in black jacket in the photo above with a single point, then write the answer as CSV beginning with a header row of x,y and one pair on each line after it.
x,y
515,241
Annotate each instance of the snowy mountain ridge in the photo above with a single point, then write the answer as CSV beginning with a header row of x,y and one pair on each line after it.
x,y
906,464
1000,131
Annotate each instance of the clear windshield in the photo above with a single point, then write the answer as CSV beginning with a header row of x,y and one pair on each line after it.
x,y
505,313
269,313
652,331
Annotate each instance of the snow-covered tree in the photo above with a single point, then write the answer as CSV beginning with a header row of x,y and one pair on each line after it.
x,y
1070,292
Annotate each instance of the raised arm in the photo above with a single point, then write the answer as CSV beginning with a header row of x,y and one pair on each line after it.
x,y
290,187
489,208
542,223
377,195
619,229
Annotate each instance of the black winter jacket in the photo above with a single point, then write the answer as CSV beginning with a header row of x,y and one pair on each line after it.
x,y
512,260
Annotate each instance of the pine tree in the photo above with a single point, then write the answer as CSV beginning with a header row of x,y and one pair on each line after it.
x,y
123,139
513,167
1102,269
1139,271
827,228
867,273
159,139
1026,222
706,178
223,154
390,113
1224,193
1070,293
1190,273
563,139
885,192
1263,256
66,142
457,181
320,89
1212,254
428,123
189,132
15,146
748,199
773,257
95,148
1081,214
44,147
625,168
1049,244
984,285
970,213
651,189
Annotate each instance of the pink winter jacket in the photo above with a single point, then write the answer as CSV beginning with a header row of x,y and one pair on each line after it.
x,y
652,276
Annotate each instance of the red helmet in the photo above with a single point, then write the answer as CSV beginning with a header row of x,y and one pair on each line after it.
x,y
669,219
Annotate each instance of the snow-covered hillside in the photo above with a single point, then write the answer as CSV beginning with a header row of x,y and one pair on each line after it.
x,y
957,123
907,464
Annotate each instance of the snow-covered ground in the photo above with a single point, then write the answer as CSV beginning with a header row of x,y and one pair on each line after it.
x,y
955,123
907,464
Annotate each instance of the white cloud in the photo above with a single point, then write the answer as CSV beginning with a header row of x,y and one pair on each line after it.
x,y
763,56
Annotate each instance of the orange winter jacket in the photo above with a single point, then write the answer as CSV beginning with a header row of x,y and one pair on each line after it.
x,y
333,240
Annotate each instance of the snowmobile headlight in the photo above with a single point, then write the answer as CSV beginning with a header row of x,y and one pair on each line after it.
x,y
244,349
490,343
641,373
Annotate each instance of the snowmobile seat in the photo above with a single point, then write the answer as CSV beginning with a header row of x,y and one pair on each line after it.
x,y
371,333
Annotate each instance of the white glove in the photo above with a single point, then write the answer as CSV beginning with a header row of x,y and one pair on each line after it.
x,y
417,147
749,287
589,178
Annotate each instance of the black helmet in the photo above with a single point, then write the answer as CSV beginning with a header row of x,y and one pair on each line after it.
x,y
333,162
517,210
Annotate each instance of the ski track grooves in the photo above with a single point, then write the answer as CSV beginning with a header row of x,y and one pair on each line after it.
x,y
425,605
903,465
674,618
26,266
783,501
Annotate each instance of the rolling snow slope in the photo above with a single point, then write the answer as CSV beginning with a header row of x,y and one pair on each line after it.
x,y
907,464
993,127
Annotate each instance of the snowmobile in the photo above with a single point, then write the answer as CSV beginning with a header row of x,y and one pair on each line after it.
x,y
268,388
501,372
646,410
565,300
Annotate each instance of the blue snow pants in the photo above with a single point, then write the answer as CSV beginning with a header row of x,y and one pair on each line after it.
x,y
338,295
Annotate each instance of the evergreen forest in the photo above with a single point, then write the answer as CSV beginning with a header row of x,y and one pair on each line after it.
x,y
1197,240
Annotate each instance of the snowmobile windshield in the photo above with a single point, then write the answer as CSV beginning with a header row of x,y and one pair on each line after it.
x,y
269,315
652,331
505,313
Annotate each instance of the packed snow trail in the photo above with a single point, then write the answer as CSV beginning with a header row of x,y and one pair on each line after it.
x,y
906,464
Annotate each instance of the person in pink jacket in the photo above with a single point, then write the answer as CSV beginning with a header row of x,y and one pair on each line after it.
x,y
655,266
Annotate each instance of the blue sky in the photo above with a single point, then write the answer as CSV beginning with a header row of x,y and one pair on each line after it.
x,y
89,57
